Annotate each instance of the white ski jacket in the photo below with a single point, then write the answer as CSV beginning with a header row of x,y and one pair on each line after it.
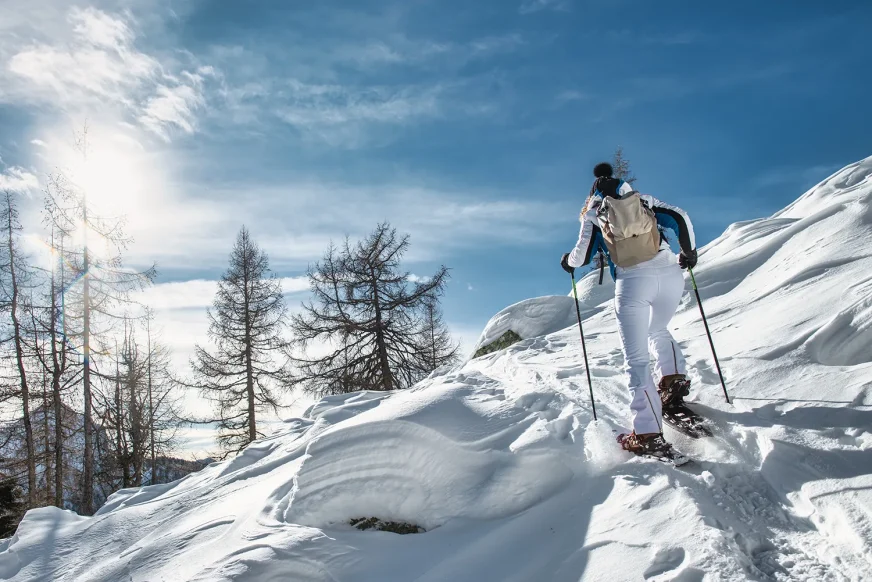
x,y
590,238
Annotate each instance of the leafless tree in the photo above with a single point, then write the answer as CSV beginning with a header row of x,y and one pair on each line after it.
x,y
441,349
242,374
16,273
372,318
621,167
102,285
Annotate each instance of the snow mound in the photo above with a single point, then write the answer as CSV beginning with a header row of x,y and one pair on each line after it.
x,y
502,463
530,318
402,471
591,293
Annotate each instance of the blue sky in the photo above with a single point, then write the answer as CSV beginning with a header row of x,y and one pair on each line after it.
x,y
473,126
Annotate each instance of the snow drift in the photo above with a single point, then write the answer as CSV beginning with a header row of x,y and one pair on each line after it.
x,y
500,461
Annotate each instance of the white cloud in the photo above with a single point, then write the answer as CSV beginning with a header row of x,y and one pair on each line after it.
x,y
538,5
85,67
343,116
199,293
571,95
172,106
91,66
299,219
100,29
18,180
496,44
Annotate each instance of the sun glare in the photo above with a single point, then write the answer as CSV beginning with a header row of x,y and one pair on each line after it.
x,y
114,173
111,178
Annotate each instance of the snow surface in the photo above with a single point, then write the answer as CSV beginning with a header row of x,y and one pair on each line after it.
x,y
501,462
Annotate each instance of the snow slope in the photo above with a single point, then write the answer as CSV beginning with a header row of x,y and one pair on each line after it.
x,y
501,462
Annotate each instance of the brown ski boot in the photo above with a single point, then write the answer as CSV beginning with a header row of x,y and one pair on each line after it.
x,y
644,444
673,389
652,445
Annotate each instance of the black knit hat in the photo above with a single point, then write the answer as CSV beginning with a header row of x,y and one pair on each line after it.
x,y
603,170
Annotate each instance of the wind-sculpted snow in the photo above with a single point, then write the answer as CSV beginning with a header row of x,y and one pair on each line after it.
x,y
530,318
402,471
501,462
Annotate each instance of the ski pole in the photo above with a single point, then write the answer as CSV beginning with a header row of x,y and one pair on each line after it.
x,y
583,347
708,333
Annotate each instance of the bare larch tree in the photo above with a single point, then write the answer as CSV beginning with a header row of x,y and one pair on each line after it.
x,y
16,271
621,167
242,375
441,349
102,285
372,316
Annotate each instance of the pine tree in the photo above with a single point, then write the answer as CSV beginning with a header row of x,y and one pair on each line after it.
x,y
247,366
621,167
372,316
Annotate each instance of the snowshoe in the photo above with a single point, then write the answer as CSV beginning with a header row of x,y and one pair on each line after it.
x,y
652,446
686,421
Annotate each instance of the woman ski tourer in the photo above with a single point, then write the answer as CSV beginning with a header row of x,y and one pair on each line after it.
x,y
629,228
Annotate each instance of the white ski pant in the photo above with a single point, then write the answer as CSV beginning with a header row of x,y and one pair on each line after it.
x,y
645,301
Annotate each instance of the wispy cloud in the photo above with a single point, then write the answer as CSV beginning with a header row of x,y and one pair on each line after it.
x,y
532,6
336,114
403,82
571,95
793,176
665,39
93,62
296,221
199,293
18,180
176,105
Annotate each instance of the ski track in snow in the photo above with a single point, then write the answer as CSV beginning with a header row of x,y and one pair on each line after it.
x,y
501,461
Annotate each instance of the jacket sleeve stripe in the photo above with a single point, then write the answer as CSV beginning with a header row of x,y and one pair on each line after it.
x,y
685,235
686,238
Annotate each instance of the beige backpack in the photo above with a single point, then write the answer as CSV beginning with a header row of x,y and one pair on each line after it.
x,y
629,229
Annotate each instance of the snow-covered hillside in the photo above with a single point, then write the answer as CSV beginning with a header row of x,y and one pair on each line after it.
x,y
501,462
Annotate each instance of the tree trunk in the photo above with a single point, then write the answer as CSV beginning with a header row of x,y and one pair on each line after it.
x,y
119,421
87,507
19,359
46,440
56,393
430,311
381,342
150,401
249,365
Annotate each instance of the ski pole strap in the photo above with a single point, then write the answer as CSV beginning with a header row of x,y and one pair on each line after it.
x,y
692,278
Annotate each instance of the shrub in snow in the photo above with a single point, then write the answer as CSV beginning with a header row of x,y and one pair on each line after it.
x,y
397,527
501,343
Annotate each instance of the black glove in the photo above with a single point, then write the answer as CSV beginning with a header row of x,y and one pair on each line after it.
x,y
564,262
687,260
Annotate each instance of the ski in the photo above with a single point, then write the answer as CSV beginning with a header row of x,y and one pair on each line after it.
x,y
686,421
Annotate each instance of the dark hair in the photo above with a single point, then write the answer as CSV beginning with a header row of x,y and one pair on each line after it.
x,y
603,170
